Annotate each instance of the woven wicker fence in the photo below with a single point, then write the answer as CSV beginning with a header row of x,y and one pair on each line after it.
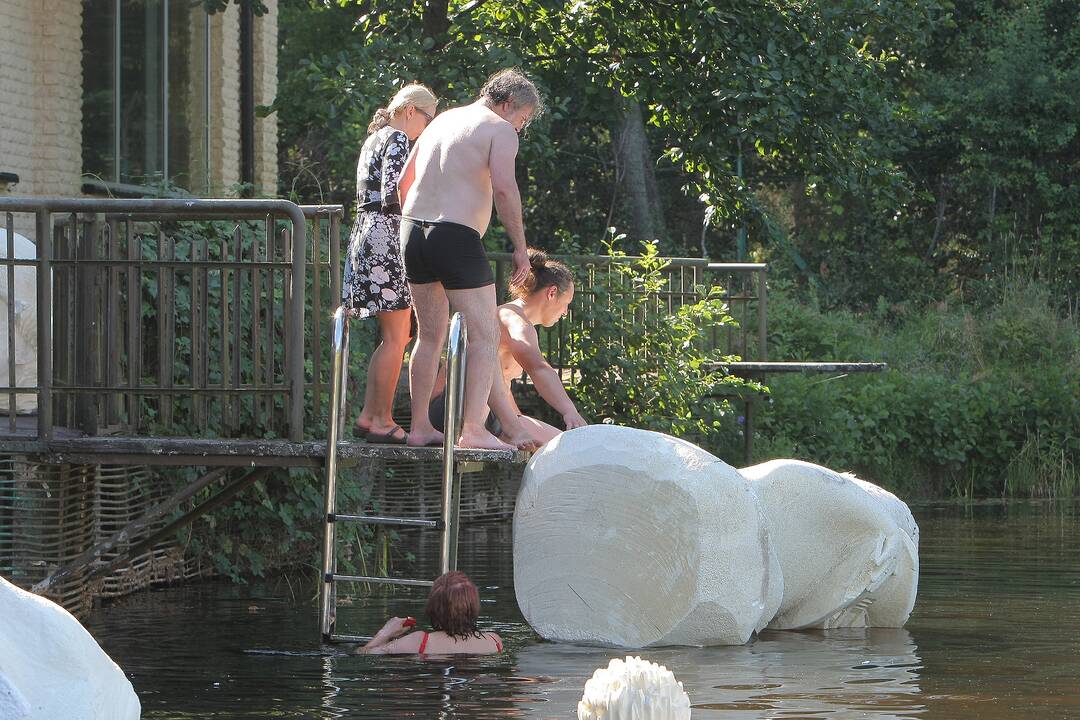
x,y
49,514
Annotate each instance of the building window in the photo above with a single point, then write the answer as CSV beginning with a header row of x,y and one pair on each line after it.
x,y
146,97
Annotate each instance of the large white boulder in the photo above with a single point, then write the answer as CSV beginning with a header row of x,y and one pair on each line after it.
x,y
848,549
631,538
51,667
24,299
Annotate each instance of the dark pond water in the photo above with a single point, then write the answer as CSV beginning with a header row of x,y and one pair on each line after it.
x,y
995,634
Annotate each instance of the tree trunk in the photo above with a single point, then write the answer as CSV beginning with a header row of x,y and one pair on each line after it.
x,y
635,176
436,21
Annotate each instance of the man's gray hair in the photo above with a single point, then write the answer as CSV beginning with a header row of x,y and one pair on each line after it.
x,y
511,85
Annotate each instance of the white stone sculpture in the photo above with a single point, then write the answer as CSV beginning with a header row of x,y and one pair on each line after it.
x,y
631,538
53,666
633,689
848,549
25,301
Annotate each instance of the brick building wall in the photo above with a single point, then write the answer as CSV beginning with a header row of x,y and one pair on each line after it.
x,y
41,95
225,100
266,131
41,98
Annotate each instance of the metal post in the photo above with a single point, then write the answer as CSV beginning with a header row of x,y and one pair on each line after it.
x,y
340,340
12,397
44,328
455,389
296,330
763,350
762,354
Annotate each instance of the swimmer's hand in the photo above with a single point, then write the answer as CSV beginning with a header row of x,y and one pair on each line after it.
x,y
573,420
395,627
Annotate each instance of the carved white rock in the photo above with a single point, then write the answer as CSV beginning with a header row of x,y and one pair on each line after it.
x,y
631,538
848,549
24,299
633,689
51,667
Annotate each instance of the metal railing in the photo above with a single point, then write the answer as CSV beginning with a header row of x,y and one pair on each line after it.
x,y
155,316
742,287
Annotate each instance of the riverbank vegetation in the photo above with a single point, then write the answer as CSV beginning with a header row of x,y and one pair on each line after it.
x,y
908,170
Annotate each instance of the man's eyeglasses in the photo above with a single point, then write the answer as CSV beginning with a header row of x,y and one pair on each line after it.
x,y
427,116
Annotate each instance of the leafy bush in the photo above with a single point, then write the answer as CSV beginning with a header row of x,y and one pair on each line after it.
x,y
642,366
977,401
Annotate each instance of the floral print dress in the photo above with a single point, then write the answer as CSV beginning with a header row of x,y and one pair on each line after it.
x,y
374,273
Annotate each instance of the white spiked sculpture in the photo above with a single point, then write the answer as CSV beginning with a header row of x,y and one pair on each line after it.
x,y
631,538
633,689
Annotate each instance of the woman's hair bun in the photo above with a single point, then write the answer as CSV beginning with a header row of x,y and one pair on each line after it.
x,y
543,273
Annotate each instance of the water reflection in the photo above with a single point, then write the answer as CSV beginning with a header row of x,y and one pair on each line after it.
x,y
841,674
995,633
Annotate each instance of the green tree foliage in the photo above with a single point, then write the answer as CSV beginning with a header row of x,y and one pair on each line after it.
x,y
798,88
990,157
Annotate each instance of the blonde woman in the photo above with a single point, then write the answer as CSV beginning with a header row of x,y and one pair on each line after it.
x,y
374,282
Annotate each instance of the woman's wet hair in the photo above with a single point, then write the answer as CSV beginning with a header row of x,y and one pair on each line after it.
x,y
511,85
415,94
543,273
454,605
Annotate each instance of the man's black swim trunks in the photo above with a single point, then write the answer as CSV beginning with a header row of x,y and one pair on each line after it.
x,y
446,252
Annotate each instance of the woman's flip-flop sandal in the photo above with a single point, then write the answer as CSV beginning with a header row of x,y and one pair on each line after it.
x,y
389,438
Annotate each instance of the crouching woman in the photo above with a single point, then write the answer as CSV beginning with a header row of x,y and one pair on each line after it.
x,y
452,609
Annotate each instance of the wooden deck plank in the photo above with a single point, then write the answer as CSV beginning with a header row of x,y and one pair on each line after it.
x,y
205,451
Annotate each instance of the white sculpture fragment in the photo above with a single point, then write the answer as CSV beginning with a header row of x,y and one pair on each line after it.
x,y
24,299
633,689
54,666
848,549
632,538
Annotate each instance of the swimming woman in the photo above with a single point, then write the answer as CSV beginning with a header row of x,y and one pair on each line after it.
x,y
452,608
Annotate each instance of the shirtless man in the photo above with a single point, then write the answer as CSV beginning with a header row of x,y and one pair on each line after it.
x,y
462,162
541,299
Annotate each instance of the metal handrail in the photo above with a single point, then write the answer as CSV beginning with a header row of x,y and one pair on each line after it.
x,y
335,426
457,344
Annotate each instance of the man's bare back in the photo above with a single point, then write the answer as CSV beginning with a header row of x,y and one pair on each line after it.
x,y
456,186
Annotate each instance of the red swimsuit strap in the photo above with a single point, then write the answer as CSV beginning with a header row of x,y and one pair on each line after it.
x,y
423,644
498,643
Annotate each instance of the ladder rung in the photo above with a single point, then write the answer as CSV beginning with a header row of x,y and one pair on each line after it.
x,y
383,520
349,638
380,580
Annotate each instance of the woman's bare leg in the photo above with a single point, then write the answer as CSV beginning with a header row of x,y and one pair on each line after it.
x,y
384,369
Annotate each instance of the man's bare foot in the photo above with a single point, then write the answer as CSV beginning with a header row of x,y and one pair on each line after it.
x,y
424,437
482,440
